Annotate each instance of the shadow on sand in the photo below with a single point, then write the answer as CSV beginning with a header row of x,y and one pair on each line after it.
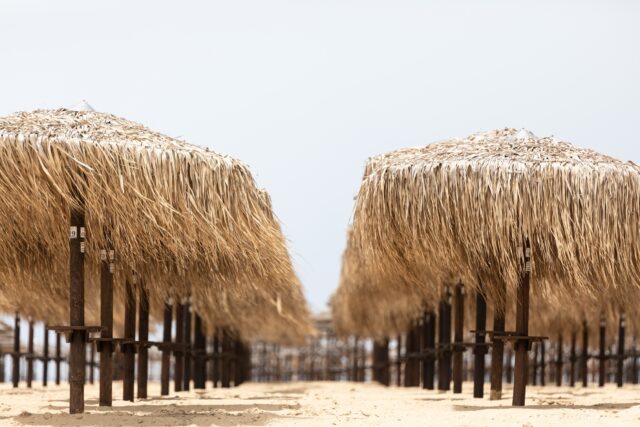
x,y
250,414
557,405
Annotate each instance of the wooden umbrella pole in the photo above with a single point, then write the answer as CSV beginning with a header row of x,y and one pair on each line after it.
x,y
15,363
408,363
376,362
187,339
559,362
216,362
543,362
634,362
585,354
480,349
128,346
166,349
458,338
78,338
45,356
225,374
447,336
429,359
399,360
187,351
30,355
237,372
384,361
620,358
417,353
200,347
497,353
522,330
143,337
354,360
602,357
106,348
442,316
58,357
573,359
178,371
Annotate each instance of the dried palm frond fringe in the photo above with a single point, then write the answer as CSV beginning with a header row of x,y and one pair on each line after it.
x,y
183,217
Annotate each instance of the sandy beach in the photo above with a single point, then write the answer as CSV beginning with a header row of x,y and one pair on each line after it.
x,y
326,404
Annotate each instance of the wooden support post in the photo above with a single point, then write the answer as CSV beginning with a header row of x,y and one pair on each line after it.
x,y
58,358
429,360
354,360
585,354
620,358
387,363
543,363
573,358
399,361
634,362
166,350
128,349
30,355
237,372
187,350
522,329
225,374
444,353
447,347
602,357
45,358
458,349
363,361
534,365
559,362
178,370
497,352
216,362
375,365
78,337
409,349
480,349
441,341
200,347
106,348
382,361
143,337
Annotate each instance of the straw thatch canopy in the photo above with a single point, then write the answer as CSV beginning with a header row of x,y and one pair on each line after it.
x,y
462,208
184,218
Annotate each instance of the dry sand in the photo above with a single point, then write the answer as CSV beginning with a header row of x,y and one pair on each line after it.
x,y
327,404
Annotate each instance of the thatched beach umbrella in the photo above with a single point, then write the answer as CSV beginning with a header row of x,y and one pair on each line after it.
x,y
466,207
179,216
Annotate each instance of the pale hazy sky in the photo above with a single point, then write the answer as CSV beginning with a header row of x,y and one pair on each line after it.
x,y
304,91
